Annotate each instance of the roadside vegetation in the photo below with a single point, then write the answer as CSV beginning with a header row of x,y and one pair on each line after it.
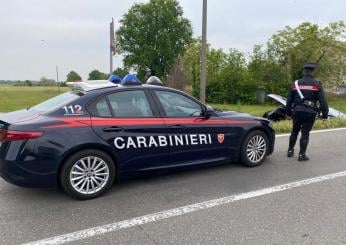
x,y
14,97
286,126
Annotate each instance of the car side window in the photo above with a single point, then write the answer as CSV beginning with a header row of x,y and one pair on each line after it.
x,y
178,105
130,104
100,108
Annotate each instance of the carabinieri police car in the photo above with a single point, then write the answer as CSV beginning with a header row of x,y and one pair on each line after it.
x,y
99,132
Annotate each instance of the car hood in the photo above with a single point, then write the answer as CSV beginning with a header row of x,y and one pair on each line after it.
x,y
234,115
335,113
231,114
19,116
278,98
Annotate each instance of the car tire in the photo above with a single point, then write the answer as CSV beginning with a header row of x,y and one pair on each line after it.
x,y
87,174
254,149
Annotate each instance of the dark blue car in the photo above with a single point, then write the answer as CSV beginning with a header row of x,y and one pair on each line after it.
x,y
99,132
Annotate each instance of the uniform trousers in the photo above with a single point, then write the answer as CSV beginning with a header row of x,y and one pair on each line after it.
x,y
302,121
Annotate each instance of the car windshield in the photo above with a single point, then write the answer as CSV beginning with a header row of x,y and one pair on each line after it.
x,y
55,102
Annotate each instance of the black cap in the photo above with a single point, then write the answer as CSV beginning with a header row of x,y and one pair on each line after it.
x,y
310,66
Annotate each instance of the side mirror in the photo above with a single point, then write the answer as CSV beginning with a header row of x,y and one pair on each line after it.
x,y
208,112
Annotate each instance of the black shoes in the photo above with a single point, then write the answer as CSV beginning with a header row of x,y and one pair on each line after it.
x,y
302,157
290,152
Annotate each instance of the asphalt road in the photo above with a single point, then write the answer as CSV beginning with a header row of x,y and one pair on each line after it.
x,y
309,214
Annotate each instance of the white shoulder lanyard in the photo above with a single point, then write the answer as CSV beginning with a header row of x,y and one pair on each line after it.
x,y
298,90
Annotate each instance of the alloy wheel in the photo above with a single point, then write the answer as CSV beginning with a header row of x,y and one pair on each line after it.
x,y
89,175
256,148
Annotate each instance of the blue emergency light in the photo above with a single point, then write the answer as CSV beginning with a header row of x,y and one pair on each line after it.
x,y
130,80
115,79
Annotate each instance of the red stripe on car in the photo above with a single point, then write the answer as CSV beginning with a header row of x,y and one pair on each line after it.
x,y
95,121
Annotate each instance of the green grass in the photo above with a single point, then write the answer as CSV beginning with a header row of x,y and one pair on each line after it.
x,y
14,98
256,110
286,126
337,102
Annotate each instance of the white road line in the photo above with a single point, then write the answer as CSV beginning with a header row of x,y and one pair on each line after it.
x,y
150,218
315,131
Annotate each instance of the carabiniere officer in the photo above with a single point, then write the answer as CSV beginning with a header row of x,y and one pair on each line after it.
x,y
302,105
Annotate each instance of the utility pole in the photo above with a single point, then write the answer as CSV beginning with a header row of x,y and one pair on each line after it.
x,y
57,77
204,53
112,47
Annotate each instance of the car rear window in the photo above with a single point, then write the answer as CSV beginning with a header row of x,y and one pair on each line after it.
x,y
122,104
100,108
130,104
56,102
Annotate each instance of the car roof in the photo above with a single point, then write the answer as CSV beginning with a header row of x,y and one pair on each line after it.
x,y
92,85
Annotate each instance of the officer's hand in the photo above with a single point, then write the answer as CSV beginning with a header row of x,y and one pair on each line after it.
x,y
288,117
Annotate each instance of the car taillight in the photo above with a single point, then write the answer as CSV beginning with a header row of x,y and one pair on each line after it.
x,y
9,135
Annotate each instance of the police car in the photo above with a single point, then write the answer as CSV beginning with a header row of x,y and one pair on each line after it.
x,y
100,132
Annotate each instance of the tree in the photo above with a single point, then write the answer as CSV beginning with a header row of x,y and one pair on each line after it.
x,y
292,47
192,65
121,72
265,72
152,36
28,83
97,75
176,77
73,76
46,82
234,79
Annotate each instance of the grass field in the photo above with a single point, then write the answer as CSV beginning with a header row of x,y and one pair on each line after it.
x,y
14,98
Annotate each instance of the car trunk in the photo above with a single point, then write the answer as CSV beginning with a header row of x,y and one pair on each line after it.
x,y
8,119
18,116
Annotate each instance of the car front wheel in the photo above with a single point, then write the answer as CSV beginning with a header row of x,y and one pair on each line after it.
x,y
254,149
87,174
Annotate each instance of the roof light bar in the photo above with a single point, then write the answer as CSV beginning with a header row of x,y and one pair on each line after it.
x,y
90,85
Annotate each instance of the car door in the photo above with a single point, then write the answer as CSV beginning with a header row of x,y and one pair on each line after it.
x,y
194,138
129,123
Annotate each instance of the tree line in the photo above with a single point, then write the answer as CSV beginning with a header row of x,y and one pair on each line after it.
x,y
161,43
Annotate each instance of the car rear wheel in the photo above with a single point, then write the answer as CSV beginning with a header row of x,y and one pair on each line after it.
x,y
87,174
254,149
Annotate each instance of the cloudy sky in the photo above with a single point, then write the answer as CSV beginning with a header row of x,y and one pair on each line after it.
x,y
38,35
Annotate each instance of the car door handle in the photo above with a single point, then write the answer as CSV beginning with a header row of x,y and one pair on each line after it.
x,y
113,129
177,126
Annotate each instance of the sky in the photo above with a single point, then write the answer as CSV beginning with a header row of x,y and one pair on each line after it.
x,y
36,36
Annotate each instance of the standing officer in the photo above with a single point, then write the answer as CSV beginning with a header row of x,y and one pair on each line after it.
x,y
302,107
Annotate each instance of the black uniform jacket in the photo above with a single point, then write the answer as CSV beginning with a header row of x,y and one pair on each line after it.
x,y
313,91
